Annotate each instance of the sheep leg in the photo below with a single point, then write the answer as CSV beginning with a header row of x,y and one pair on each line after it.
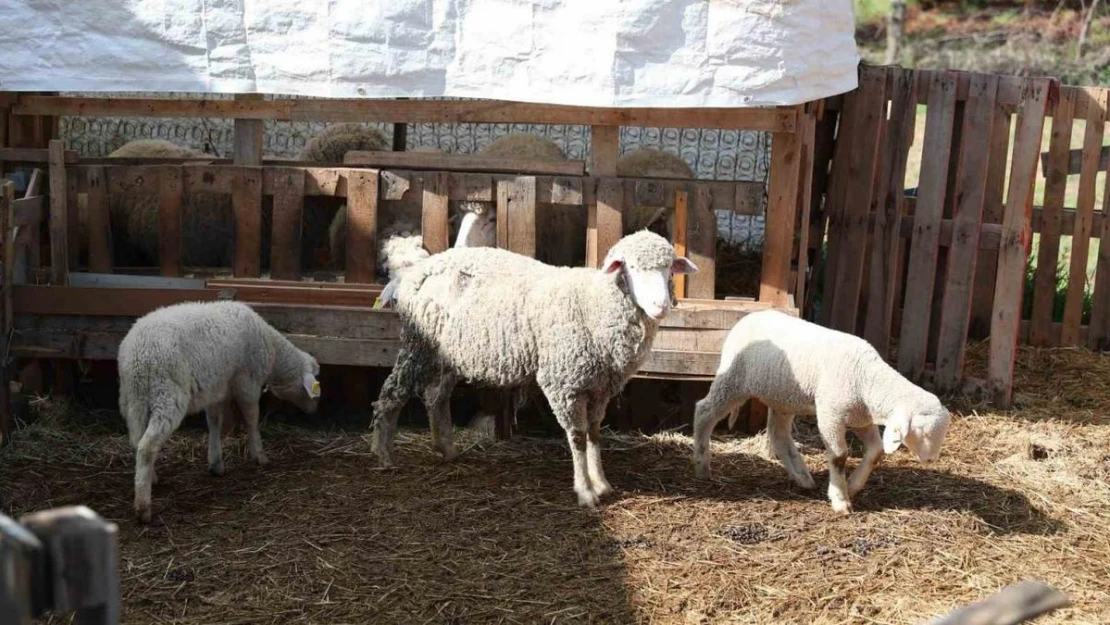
x,y
247,399
571,413
780,439
158,430
395,393
708,412
215,417
872,456
437,401
596,414
833,432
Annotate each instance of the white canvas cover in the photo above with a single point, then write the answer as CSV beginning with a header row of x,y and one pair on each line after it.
x,y
657,53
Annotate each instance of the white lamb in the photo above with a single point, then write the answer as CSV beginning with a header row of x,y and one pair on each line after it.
x,y
503,320
185,358
799,368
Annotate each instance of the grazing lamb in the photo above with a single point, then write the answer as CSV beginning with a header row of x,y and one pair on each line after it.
x,y
652,163
185,358
797,367
499,319
207,220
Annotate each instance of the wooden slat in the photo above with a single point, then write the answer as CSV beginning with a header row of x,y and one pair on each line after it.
x,y
807,128
867,138
7,218
685,362
246,200
502,192
433,222
1014,248
886,244
604,220
604,150
171,196
702,246
285,240
924,247
1100,299
74,202
1085,207
100,232
33,155
836,197
28,211
987,267
59,252
681,236
778,232
1056,180
362,225
971,188
462,162
1074,164
522,216
64,300
780,119
248,134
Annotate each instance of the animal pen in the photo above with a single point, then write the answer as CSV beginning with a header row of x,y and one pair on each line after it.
x,y
65,305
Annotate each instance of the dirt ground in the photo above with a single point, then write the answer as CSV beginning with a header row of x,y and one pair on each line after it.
x,y
323,536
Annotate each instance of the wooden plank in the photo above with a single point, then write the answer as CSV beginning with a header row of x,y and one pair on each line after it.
x,y
836,198
807,129
604,150
1056,180
433,222
1075,157
100,231
604,220
74,201
123,281
683,362
28,211
1100,299
681,235
503,189
924,246
889,197
1085,207
246,200
7,218
985,270
522,216
780,119
33,155
702,246
285,240
248,134
171,199
362,225
970,191
303,295
462,162
867,137
59,217
683,338
65,300
1014,247
778,231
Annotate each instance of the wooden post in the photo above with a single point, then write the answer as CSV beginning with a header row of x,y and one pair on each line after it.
x,y
778,230
82,556
59,252
7,219
1048,251
434,205
171,196
248,135
100,230
604,150
362,224
701,230
604,219
521,210
681,221
285,248
20,571
246,201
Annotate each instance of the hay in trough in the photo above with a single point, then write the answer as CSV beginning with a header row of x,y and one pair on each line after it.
x,y
323,536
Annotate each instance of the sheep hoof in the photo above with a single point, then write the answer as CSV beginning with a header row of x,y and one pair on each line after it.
x,y
449,453
142,513
263,460
603,488
587,499
701,470
807,482
216,470
842,507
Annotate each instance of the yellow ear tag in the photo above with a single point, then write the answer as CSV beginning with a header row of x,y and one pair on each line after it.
x,y
315,388
378,303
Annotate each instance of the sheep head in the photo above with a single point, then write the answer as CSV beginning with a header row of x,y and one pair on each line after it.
x,y
647,262
921,428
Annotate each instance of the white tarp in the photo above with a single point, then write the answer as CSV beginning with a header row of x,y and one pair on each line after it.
x,y
659,53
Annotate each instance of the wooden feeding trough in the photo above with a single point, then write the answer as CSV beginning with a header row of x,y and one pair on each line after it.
x,y
64,309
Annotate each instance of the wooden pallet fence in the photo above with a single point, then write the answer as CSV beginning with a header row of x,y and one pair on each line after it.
x,y
910,273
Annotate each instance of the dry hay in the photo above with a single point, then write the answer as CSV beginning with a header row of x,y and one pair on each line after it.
x,y
322,536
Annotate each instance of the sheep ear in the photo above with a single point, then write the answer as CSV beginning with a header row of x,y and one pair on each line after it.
x,y
612,265
311,385
895,432
683,265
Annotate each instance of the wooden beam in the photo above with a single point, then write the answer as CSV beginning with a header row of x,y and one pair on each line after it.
x,y
521,212
778,236
434,212
67,300
781,119
246,200
1074,163
604,220
33,155
461,162
248,135
604,150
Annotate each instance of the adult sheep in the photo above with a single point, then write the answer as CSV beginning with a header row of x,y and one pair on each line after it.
x,y
207,219
800,368
502,320
185,358
652,163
